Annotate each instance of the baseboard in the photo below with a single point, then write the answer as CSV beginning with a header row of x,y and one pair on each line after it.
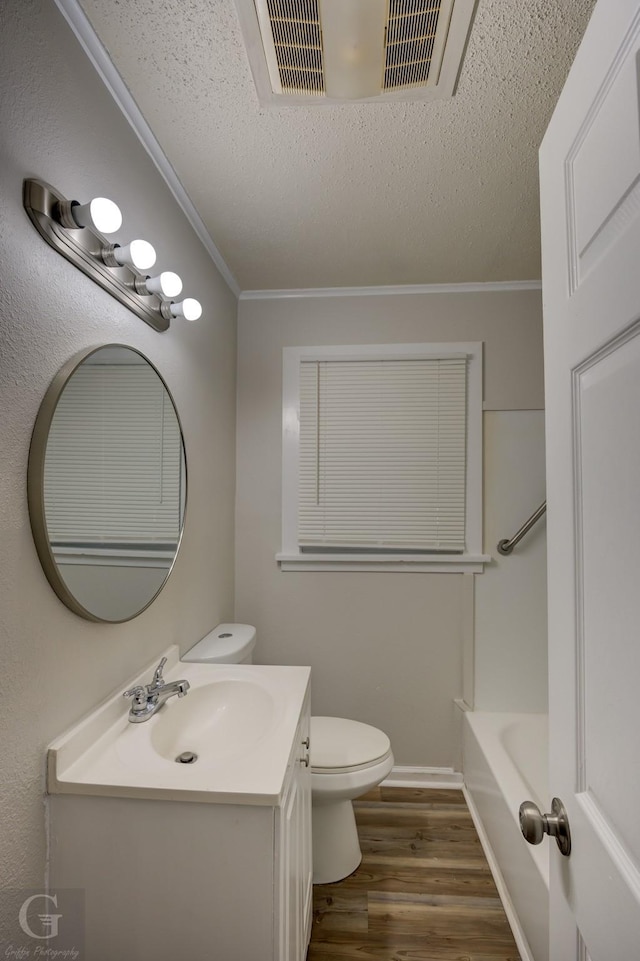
x,y
432,777
507,903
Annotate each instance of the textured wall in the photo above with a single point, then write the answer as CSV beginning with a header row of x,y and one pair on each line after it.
x,y
58,123
386,649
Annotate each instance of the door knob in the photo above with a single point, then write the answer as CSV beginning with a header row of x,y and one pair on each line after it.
x,y
534,825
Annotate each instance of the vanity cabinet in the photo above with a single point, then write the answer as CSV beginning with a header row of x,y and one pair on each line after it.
x,y
167,879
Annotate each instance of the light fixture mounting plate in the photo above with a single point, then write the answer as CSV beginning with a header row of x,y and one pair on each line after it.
x,y
83,248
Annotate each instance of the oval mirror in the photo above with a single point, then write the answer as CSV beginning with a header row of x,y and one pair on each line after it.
x,y
107,483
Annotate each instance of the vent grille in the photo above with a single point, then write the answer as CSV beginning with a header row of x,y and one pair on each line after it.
x,y
411,36
424,43
297,40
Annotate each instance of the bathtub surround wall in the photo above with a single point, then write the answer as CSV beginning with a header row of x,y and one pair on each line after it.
x,y
389,649
59,123
511,596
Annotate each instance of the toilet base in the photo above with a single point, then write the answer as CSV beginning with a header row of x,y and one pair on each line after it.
x,y
336,848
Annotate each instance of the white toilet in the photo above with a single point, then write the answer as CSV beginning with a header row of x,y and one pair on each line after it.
x,y
347,759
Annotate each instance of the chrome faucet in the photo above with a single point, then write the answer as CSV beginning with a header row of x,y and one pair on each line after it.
x,y
146,700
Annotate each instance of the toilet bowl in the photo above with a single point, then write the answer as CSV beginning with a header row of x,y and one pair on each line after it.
x,y
348,758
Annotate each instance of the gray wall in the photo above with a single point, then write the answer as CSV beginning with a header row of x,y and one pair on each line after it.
x,y
58,123
387,649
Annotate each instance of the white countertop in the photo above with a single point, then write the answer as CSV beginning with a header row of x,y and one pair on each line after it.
x,y
106,755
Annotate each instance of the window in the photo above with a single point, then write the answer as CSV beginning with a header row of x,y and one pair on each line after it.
x,y
382,458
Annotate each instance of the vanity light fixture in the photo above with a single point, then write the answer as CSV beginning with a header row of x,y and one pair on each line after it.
x,y
167,284
77,231
189,308
138,254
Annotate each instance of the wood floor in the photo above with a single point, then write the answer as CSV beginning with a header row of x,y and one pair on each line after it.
x,y
423,891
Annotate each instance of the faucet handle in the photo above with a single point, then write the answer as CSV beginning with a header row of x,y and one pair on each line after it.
x,y
157,674
138,695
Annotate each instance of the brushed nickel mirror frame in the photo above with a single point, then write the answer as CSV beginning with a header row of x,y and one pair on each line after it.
x,y
83,247
35,484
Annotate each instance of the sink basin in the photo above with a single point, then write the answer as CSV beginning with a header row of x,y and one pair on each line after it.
x,y
216,721
239,719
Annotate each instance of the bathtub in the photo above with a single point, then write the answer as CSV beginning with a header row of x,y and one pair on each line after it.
x,y
505,763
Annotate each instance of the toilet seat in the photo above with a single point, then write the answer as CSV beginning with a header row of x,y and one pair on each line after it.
x,y
340,746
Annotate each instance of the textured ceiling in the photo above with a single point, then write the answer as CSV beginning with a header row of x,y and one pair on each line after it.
x,y
352,195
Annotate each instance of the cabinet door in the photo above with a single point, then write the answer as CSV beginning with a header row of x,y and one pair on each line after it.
x,y
304,826
295,851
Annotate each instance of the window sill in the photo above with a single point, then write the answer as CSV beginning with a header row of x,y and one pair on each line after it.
x,y
113,557
392,563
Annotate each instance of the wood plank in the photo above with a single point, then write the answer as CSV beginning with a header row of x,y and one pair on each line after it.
x,y
426,847
416,795
395,810
437,810
441,824
346,911
424,878
424,795
384,951
402,917
477,864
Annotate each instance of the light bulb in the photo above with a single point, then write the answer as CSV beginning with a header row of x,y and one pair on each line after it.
x,y
139,254
167,284
99,214
189,308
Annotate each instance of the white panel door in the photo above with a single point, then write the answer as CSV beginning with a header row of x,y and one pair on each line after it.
x,y
590,189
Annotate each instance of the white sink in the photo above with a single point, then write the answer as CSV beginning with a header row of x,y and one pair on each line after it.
x,y
221,720
238,719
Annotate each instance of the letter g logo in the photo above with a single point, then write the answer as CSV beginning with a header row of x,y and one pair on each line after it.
x,y
49,921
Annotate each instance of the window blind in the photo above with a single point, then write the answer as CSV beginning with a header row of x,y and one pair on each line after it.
x,y
383,454
114,459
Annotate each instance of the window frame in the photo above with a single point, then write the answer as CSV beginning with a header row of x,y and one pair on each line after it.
x,y
291,558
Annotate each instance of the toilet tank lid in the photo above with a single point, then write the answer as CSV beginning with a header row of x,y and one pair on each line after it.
x,y
225,644
339,742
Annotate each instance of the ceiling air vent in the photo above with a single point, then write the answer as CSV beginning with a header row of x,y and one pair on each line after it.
x,y
294,40
331,51
410,50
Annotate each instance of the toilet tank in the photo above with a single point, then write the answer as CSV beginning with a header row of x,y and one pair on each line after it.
x,y
225,644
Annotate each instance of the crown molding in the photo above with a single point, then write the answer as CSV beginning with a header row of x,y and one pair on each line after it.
x,y
505,286
104,67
